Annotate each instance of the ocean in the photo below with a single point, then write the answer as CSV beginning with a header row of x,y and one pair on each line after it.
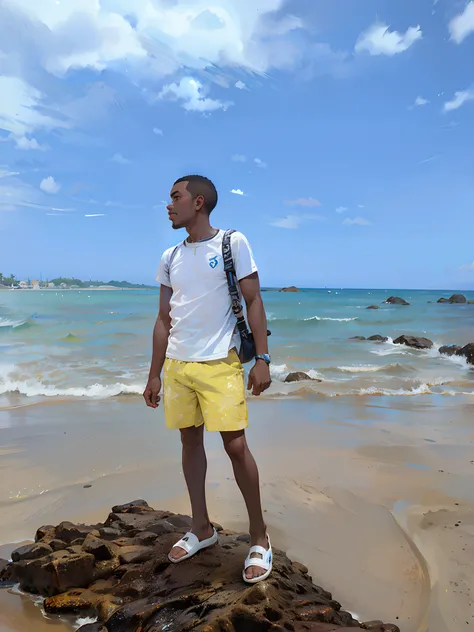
x,y
97,344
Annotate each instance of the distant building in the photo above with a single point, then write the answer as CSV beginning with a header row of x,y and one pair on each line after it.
x,y
35,284
51,284
63,286
23,284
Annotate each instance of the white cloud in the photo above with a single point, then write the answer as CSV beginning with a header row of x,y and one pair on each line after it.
x,y
463,24
308,202
260,163
360,206
21,112
356,221
240,85
341,209
430,159
157,131
420,101
468,267
379,40
290,221
118,158
239,158
5,173
95,215
192,95
293,222
460,98
237,192
49,185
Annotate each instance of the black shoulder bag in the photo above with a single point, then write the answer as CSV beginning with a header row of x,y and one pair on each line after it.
x,y
247,346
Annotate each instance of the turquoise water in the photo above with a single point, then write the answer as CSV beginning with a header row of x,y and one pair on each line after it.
x,y
80,343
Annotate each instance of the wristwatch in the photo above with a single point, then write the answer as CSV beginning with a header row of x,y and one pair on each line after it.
x,y
265,357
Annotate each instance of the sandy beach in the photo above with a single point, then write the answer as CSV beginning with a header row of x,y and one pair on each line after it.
x,y
374,495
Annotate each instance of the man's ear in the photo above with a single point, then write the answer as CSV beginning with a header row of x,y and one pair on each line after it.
x,y
199,201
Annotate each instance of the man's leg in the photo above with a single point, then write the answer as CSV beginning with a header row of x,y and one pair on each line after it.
x,y
194,469
246,475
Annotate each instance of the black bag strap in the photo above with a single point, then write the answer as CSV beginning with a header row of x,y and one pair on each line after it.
x,y
229,269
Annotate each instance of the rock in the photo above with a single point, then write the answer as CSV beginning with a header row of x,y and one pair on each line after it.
x,y
136,504
45,532
57,545
470,302
443,300
100,549
414,341
449,350
373,307
144,591
292,288
109,533
396,300
457,298
357,338
378,338
31,552
468,352
69,532
135,554
299,376
5,574
104,570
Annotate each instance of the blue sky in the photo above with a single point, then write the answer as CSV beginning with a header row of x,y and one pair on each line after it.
x,y
339,135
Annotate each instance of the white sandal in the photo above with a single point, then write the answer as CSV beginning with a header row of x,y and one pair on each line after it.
x,y
192,545
264,562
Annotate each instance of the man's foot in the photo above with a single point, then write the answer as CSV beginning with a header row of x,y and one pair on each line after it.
x,y
177,552
252,572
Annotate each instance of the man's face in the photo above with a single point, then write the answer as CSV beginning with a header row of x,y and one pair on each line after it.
x,y
183,207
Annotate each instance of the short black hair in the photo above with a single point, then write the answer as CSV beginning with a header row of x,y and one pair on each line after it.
x,y
200,185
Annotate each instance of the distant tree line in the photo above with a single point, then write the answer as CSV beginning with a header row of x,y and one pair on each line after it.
x,y
72,282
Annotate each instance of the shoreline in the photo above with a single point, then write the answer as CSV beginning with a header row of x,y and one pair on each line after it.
x,y
364,472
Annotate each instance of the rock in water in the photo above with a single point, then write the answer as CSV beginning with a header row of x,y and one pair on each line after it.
x,y
378,338
443,300
414,341
299,376
468,352
373,307
358,338
139,590
396,300
457,298
292,288
449,350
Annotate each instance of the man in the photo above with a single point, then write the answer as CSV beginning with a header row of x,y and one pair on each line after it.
x,y
194,341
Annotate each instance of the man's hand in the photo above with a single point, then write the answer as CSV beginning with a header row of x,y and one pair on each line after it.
x,y
259,378
152,392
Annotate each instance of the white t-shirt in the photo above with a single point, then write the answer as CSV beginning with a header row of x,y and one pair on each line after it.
x,y
202,321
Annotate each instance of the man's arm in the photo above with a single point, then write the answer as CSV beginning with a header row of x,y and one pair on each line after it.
x,y
161,333
259,377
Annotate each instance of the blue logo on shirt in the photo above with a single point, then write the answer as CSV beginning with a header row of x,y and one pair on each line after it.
x,y
213,261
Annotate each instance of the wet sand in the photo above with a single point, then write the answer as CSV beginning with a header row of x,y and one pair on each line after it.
x,y
375,496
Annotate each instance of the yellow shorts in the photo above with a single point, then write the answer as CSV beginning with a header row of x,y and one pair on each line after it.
x,y
210,393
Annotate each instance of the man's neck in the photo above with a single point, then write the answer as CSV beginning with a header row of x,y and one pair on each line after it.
x,y
198,233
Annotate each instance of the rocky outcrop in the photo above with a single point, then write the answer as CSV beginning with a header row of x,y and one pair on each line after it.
x,y
299,376
396,300
414,341
449,350
455,298
378,338
292,288
149,594
357,338
468,352
373,307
